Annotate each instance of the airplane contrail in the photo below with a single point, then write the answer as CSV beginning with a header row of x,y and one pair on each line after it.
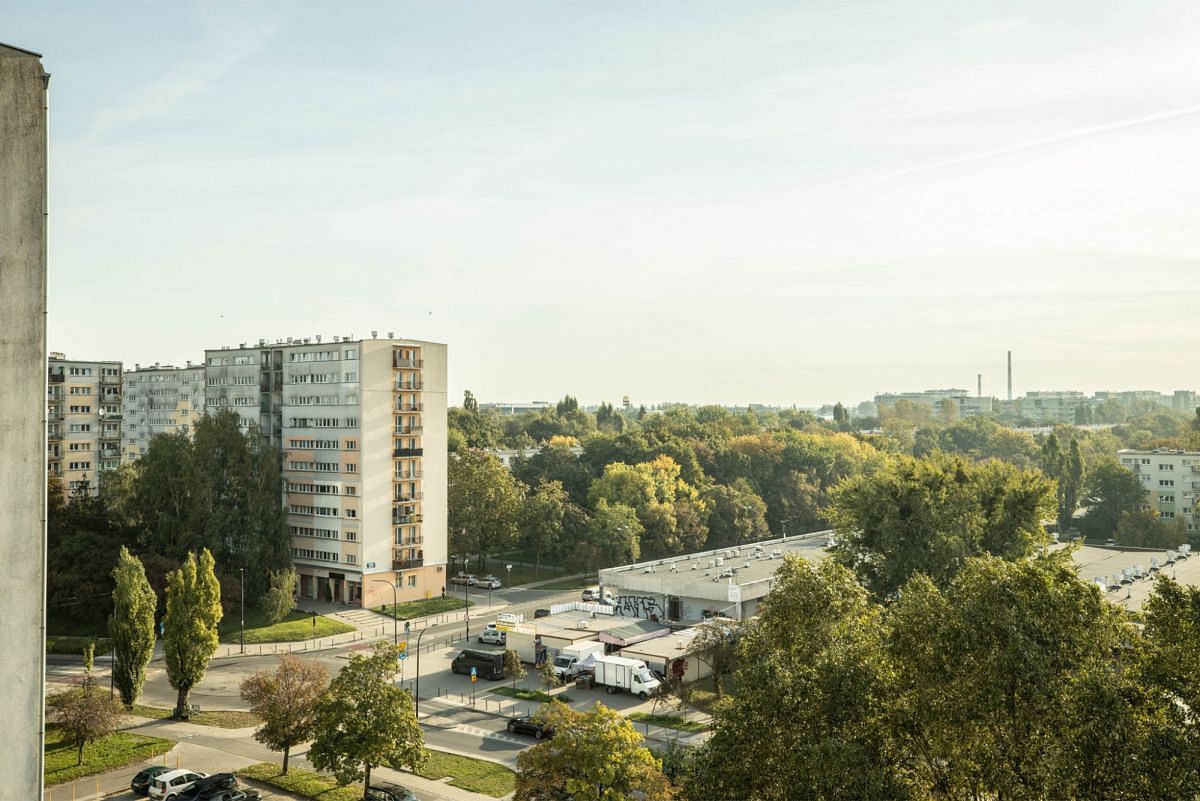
x,y
1044,141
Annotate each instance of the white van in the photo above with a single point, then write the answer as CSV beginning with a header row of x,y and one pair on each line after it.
x,y
172,783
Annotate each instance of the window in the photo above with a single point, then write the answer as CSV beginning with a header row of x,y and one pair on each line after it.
x,y
412,580
1166,515
351,513
351,490
351,558
1166,482
350,377
1145,461
350,353
1166,467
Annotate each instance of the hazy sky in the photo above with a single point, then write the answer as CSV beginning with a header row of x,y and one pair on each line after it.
x,y
711,202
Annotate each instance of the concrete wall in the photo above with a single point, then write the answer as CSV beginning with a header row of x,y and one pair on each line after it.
x,y
22,416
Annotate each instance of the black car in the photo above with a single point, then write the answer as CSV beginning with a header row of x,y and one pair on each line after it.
x,y
541,613
525,724
141,782
211,788
386,791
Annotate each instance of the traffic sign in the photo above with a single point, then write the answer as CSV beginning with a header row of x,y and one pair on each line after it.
x,y
403,656
474,675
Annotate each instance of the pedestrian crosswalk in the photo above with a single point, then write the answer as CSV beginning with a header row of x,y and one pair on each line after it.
x,y
491,735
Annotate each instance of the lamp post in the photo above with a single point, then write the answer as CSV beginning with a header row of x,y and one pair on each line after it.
x,y
417,693
395,606
242,592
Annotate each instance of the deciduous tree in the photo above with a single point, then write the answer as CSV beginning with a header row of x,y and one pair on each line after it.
x,y
513,666
84,714
280,597
190,634
485,501
542,516
131,626
365,720
1111,491
594,756
286,700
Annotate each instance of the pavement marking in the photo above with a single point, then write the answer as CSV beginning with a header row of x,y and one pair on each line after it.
x,y
492,735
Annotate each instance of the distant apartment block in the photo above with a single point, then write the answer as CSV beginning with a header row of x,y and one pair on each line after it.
x,y
1052,407
160,399
1171,479
362,428
83,426
518,408
964,404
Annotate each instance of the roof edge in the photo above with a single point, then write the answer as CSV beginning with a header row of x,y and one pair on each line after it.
x,y
20,49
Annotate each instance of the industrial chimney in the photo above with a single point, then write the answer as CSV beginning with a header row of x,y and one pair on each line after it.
x,y
1010,375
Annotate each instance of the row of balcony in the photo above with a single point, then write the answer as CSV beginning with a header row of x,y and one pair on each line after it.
x,y
407,364
404,520
407,564
399,452
402,474
414,496
57,378
411,386
408,406
408,429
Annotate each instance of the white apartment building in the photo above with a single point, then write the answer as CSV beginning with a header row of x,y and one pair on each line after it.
x,y
83,425
160,399
965,404
1171,479
1052,407
361,424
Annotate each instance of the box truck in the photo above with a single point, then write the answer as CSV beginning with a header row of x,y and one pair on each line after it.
x,y
569,662
617,673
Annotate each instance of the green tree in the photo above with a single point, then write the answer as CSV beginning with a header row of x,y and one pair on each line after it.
x,y
737,515
548,675
1145,529
280,598
1066,468
611,537
1111,491
541,520
807,718
286,701
365,720
513,666
84,714
594,756
131,626
930,515
485,501
190,635
84,539
716,642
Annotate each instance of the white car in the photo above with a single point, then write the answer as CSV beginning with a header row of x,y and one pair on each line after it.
x,y
492,636
465,578
488,583
592,594
172,783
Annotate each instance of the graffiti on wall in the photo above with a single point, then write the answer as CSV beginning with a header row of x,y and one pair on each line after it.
x,y
639,606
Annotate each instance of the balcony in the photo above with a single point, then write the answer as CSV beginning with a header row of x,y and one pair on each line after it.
x,y
410,407
407,364
399,452
407,564
416,496
412,386
57,378
408,430
405,474
405,520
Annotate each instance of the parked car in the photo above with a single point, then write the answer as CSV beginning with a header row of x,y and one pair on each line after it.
x,y
489,583
141,782
541,613
487,664
386,791
172,783
211,788
493,637
234,795
592,594
465,578
525,724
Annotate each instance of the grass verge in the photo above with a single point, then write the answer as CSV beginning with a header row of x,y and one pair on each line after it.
x,y
71,645
473,775
115,751
668,721
221,718
293,628
530,695
423,607
304,783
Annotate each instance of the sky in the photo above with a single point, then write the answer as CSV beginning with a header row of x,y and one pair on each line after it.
x,y
708,202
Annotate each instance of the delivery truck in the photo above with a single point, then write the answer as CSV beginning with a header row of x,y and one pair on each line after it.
x,y
618,674
570,660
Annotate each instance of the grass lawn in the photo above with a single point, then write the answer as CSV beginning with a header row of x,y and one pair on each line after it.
x,y
702,694
72,645
293,628
530,695
304,783
425,606
474,775
669,721
221,718
115,751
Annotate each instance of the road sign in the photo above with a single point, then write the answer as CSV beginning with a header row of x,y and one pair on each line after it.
x,y
474,675
403,656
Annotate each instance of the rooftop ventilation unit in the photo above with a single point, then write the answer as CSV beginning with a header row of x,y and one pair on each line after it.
x,y
720,561
391,334
374,335
318,339
337,338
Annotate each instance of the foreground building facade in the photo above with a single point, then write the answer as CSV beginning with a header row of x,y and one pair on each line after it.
x,y
361,424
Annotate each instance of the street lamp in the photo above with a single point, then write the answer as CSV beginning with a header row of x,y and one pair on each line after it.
x,y
242,592
395,608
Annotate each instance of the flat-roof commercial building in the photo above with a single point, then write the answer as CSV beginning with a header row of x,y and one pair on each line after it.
x,y
691,588
362,427
159,400
84,408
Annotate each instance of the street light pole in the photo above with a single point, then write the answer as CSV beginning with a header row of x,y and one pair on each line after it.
x,y
467,597
242,592
395,608
417,694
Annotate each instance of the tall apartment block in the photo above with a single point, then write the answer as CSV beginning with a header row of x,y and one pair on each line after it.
x,y
1171,479
362,427
83,427
160,399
